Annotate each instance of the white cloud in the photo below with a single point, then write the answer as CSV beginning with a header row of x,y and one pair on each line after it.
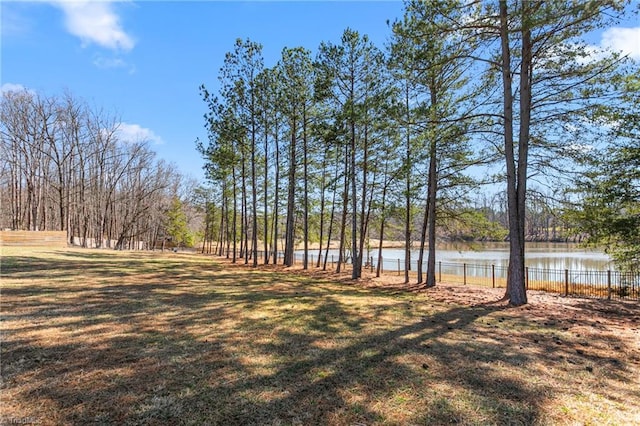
x,y
112,63
102,62
16,88
135,133
12,87
95,22
624,40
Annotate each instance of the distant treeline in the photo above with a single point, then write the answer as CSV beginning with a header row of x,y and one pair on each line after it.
x,y
67,167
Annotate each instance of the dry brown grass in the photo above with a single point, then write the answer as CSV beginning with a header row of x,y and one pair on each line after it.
x,y
162,338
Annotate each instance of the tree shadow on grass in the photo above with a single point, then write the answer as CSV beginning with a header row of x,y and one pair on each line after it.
x,y
371,365
247,348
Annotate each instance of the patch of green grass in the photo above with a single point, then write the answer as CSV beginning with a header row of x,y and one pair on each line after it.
x,y
163,338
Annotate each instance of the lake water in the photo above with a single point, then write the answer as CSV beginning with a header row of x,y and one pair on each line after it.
x,y
537,255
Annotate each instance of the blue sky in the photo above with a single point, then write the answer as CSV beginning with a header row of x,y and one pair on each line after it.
x,y
145,60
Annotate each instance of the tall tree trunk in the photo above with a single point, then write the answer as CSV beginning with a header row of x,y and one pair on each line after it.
x,y
305,232
254,185
224,220
331,218
515,292
364,219
322,206
289,231
433,190
244,231
423,239
431,215
234,227
355,272
345,207
265,192
276,197
407,223
227,225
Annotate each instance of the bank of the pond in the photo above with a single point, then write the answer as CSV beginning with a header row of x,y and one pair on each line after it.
x,y
559,256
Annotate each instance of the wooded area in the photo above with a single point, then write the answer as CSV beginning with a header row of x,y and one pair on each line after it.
x,y
66,167
356,134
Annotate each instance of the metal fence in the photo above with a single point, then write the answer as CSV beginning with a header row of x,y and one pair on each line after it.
x,y
596,284
601,284
607,284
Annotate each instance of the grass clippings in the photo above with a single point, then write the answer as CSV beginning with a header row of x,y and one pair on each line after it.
x,y
105,337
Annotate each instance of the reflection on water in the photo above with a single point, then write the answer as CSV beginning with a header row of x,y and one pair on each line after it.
x,y
537,255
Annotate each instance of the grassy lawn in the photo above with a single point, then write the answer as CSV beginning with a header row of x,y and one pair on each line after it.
x,y
110,337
